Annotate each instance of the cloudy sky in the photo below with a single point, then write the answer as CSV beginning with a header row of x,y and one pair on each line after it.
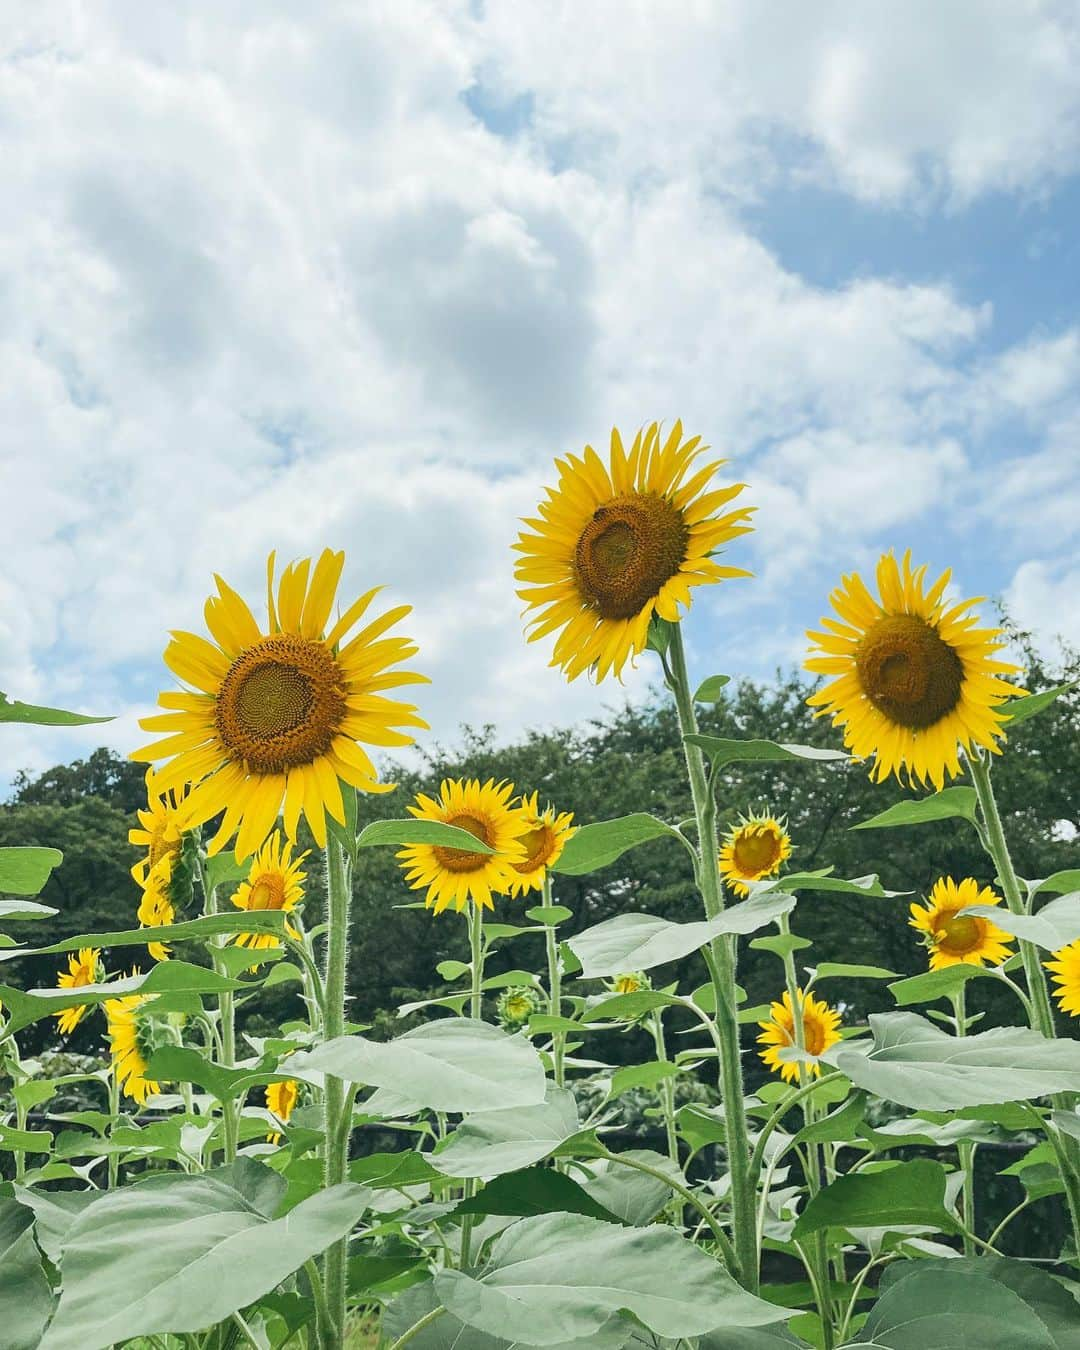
x,y
281,276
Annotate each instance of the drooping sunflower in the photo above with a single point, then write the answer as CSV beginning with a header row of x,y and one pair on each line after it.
x,y
274,881
160,833
454,876
544,840
820,1023
752,850
84,967
279,717
156,911
956,939
1064,965
615,544
916,677
281,1099
131,1044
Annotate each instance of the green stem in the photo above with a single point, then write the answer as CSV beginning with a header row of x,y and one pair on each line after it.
x,y
667,1087
336,1127
476,1008
558,1039
230,1123
721,963
114,1111
965,1149
416,1328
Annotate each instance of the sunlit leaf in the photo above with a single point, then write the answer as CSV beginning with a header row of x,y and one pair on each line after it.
x,y
382,833
905,1193
14,711
488,1143
594,846
23,871
25,1297
721,751
948,804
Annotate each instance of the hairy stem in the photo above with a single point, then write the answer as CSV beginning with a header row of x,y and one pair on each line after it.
x,y
336,1126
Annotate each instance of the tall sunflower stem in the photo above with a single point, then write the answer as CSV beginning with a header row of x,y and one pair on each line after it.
x,y
965,1148
558,1039
335,1126
475,917
114,1111
720,958
666,1093
230,1121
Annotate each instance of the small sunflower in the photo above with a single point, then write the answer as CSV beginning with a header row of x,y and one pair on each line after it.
x,y
454,876
1064,965
160,833
280,716
633,982
281,1098
956,939
615,544
131,1044
916,676
83,968
156,911
544,840
274,881
752,850
516,1005
820,1024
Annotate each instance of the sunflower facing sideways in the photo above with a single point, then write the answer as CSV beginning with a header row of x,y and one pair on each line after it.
x,y
281,1099
752,850
454,876
1064,965
915,676
131,1044
274,881
160,833
616,543
820,1024
84,967
544,840
957,939
280,716
156,911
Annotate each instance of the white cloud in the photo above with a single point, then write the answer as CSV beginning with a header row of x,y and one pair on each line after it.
x,y
1044,597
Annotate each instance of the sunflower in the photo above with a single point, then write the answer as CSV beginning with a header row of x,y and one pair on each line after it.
x,y
633,982
613,545
820,1024
160,834
516,1005
279,716
83,968
752,850
131,1044
281,1098
916,676
956,939
156,911
274,881
1065,968
544,840
454,876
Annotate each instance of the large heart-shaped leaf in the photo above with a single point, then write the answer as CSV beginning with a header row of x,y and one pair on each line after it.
x,y
25,1297
536,1190
920,1066
564,1276
488,1143
594,846
948,804
457,1064
1054,926
23,871
381,833
905,1193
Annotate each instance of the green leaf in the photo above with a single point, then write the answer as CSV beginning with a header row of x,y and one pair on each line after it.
x,y
620,1007
13,711
452,970
381,833
534,1190
28,1141
1055,926
905,1193
594,846
1020,709
564,1276
345,833
1059,883
641,941
634,1197
935,984
456,1064
642,1076
182,1064
489,1143
12,910
835,970
947,804
223,869
23,871
25,1297
195,930
204,1252
711,690
781,944
821,881
549,915
915,1064
839,1127
722,751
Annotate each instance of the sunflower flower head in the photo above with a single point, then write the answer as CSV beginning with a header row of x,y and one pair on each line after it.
x,y
615,544
916,678
281,1100
133,1038
820,1023
156,911
454,876
516,1005
631,982
275,881
753,849
278,715
1064,966
84,967
159,832
953,938
544,839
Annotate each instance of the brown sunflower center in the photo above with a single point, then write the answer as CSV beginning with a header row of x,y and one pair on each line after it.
x,y
755,852
281,703
462,859
539,845
267,892
958,935
627,551
908,671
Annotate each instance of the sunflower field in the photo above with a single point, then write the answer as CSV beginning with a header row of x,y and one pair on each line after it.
x,y
225,1180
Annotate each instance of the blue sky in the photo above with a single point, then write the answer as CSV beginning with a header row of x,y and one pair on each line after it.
x,y
274,279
